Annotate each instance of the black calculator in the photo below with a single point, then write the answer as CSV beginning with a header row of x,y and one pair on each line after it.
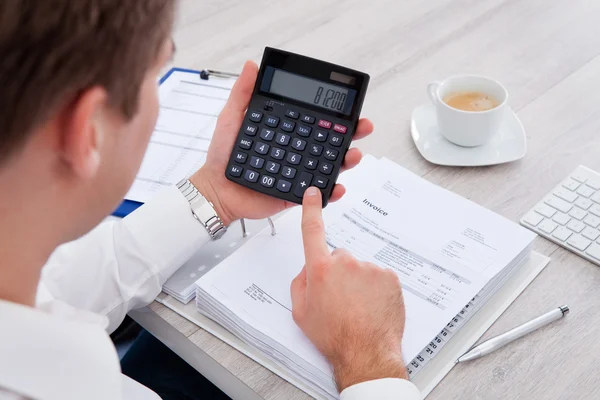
x,y
298,126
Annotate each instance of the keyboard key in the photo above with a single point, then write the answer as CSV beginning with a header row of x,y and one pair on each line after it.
x,y
595,209
533,218
561,218
240,157
575,226
594,184
321,136
596,197
548,226
292,114
250,130
283,139
273,167
579,242
272,121
267,134
566,194
321,182
326,168
267,181
583,203
594,251
284,186
340,128
310,163
299,144
558,204
235,171
323,123
571,184
590,233
585,191
579,177
288,126
288,172
308,119
578,213
261,148
316,149
251,176
257,162
304,182
245,144
277,154
331,154
562,233
294,158
545,210
256,116
304,130
336,140
592,221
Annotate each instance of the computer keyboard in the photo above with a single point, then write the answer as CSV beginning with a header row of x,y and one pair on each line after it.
x,y
570,214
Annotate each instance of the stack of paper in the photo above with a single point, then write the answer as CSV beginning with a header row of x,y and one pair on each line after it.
x,y
450,254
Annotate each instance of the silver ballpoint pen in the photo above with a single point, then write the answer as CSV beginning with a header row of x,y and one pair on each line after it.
x,y
502,340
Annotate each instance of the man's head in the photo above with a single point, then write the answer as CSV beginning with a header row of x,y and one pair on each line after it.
x,y
78,101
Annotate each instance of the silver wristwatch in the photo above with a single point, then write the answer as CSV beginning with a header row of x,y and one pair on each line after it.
x,y
202,210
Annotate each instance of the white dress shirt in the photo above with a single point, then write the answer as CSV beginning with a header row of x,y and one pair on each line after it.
x,y
61,349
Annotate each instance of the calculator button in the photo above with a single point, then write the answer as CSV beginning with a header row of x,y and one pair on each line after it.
x,y
256,116
321,136
308,119
235,171
250,130
261,148
257,162
299,144
288,172
284,186
267,181
277,154
310,163
272,121
245,144
294,158
283,139
331,154
273,167
267,134
321,182
336,140
288,126
304,130
292,114
240,157
325,168
340,128
303,183
324,124
251,176
316,149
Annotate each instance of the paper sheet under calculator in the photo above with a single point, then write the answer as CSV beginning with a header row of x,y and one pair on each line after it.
x,y
189,107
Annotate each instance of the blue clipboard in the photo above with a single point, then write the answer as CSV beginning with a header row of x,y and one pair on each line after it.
x,y
128,206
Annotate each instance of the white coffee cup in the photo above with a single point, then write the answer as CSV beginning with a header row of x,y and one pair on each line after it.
x,y
468,128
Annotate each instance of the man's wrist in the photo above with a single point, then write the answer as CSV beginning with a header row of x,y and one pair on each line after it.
x,y
207,190
349,374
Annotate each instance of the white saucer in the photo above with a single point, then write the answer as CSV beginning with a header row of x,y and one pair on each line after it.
x,y
509,144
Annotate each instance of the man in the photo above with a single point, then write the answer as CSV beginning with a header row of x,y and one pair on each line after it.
x,y
77,107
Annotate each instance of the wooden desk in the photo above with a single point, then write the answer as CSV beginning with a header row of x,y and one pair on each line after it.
x,y
546,52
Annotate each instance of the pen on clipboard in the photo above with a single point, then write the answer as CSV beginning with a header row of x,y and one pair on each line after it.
x,y
496,343
205,73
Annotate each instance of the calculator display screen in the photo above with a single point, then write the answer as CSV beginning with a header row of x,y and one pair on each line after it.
x,y
307,90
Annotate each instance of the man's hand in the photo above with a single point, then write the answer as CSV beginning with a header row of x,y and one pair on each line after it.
x,y
352,311
233,201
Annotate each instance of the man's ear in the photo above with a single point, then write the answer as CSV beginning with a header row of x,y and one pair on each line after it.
x,y
83,132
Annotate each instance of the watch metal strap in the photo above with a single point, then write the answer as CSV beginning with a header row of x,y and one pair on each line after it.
x,y
202,210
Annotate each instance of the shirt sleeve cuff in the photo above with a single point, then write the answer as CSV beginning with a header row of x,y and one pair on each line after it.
x,y
166,230
382,389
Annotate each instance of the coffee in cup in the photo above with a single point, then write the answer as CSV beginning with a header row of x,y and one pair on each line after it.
x,y
471,101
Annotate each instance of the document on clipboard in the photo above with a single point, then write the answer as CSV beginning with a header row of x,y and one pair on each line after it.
x,y
190,102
